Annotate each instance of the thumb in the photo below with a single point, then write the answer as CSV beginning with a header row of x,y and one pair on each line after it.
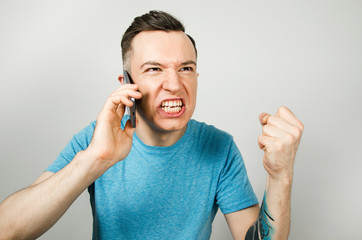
x,y
263,118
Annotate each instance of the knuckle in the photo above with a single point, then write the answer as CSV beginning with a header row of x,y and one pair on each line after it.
x,y
290,138
283,108
301,127
297,132
270,120
280,109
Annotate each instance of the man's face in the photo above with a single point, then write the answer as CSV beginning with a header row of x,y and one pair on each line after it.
x,y
163,64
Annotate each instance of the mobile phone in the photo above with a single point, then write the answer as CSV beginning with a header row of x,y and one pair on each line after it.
x,y
131,111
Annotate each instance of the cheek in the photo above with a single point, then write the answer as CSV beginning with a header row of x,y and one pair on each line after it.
x,y
146,103
194,92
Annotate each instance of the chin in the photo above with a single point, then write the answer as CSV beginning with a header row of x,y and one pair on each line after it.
x,y
171,125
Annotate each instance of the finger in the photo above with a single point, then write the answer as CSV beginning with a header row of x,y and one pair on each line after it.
x,y
114,109
127,92
115,104
286,114
128,129
120,111
263,118
112,103
127,86
284,126
124,97
261,146
272,131
265,142
124,100
281,123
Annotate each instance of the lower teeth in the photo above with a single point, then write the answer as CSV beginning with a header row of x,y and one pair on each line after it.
x,y
171,110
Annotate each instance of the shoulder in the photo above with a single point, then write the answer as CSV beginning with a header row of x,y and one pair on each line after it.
x,y
84,136
209,133
202,128
88,130
80,141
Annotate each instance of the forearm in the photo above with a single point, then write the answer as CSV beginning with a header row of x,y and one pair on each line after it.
x,y
279,140
30,212
274,217
278,202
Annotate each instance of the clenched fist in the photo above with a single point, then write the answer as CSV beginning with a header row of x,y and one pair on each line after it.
x,y
280,139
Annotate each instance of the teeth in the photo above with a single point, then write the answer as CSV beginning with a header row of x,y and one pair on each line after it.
x,y
171,109
172,104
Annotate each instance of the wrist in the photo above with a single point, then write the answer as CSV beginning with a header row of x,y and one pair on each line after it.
x,y
282,179
92,166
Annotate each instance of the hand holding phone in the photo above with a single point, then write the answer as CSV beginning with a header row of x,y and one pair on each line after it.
x,y
130,110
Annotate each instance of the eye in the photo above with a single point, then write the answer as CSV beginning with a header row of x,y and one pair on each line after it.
x,y
186,69
154,69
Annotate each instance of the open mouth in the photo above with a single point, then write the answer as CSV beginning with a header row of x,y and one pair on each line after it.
x,y
172,106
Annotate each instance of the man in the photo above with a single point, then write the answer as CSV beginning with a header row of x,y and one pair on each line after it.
x,y
166,178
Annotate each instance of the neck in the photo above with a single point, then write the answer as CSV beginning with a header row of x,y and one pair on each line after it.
x,y
156,137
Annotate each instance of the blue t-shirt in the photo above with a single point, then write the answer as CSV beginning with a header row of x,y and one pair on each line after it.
x,y
166,192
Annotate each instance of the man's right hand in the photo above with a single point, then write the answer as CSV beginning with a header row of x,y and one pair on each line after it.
x,y
110,143
27,214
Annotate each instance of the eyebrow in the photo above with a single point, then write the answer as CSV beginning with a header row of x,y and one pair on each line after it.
x,y
150,63
188,63
153,63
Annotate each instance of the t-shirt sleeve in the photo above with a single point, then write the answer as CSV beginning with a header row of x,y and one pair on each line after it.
x,y
234,190
79,142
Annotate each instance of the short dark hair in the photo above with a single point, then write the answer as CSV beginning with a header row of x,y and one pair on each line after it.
x,y
151,21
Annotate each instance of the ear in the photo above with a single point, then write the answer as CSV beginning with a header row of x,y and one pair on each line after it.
x,y
120,78
197,74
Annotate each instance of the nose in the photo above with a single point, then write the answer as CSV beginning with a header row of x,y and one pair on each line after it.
x,y
172,82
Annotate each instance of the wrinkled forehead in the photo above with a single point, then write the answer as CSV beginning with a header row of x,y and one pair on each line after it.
x,y
160,46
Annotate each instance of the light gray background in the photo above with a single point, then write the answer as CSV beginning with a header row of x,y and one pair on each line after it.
x,y
59,60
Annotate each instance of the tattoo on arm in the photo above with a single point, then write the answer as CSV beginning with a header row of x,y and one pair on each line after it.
x,y
263,227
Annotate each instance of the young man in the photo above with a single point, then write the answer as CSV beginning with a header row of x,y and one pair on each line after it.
x,y
166,178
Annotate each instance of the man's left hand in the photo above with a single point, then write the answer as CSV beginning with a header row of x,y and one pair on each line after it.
x,y
280,140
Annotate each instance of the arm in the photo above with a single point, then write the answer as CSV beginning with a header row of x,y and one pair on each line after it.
x,y
32,211
273,221
279,140
29,213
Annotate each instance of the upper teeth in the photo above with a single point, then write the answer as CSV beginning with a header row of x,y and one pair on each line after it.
x,y
173,103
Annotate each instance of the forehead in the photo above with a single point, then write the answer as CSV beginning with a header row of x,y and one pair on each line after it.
x,y
163,47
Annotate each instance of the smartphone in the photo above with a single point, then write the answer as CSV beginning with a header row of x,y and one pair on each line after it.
x,y
131,111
